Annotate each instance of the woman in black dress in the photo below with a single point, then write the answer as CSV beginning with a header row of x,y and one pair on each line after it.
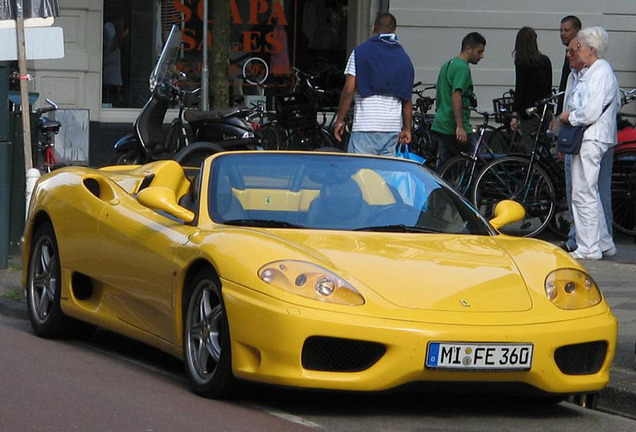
x,y
533,82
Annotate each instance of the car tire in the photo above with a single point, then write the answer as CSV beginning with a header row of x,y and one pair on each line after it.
x,y
44,286
206,340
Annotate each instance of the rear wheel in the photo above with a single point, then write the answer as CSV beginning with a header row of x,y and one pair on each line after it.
x,y
505,179
206,338
194,154
624,191
308,139
130,157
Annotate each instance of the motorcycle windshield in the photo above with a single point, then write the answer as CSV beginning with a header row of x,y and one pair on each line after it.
x,y
164,69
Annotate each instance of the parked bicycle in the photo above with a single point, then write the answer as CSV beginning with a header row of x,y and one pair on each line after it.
x,y
536,181
624,179
304,117
44,157
503,114
459,171
423,141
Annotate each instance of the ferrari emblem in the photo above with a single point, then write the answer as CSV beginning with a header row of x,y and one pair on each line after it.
x,y
464,303
268,201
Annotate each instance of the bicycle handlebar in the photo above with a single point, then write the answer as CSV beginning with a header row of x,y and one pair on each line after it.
x,y
485,114
542,102
628,96
52,107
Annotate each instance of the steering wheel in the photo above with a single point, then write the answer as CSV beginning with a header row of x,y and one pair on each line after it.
x,y
394,214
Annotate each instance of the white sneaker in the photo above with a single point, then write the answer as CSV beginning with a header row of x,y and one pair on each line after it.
x,y
592,256
610,252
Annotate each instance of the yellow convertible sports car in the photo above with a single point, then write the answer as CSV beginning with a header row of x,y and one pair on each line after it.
x,y
311,269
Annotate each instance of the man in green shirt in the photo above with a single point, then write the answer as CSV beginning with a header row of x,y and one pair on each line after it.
x,y
454,91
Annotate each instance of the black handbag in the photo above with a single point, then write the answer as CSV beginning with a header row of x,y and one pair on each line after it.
x,y
571,137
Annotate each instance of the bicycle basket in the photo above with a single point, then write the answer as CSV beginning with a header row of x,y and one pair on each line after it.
x,y
503,109
294,111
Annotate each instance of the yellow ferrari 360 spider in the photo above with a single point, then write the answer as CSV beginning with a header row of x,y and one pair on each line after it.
x,y
310,269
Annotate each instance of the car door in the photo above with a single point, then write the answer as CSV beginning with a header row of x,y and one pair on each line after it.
x,y
137,247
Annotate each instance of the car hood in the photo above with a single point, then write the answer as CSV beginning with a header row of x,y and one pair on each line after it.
x,y
431,272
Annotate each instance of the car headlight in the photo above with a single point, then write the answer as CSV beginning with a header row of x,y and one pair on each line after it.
x,y
311,281
572,289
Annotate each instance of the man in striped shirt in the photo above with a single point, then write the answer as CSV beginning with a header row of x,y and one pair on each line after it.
x,y
379,75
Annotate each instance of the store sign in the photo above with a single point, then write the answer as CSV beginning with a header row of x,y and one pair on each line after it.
x,y
259,29
41,43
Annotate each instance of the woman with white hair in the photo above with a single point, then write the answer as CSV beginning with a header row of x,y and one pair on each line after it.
x,y
592,100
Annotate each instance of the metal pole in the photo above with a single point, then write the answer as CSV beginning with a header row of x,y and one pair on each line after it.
x,y
205,104
24,92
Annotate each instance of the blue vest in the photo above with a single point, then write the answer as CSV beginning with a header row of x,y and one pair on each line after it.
x,y
383,68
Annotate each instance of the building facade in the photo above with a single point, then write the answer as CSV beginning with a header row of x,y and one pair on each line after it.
x,y
302,33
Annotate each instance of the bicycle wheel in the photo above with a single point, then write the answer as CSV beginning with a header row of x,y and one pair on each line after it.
x,y
272,136
624,191
308,139
509,141
504,178
497,142
457,173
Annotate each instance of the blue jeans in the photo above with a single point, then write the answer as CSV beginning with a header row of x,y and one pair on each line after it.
x,y
374,143
604,190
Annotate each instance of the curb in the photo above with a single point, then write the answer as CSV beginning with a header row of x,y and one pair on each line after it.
x,y
13,308
619,397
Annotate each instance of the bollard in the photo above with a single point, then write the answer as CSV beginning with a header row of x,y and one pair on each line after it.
x,y
32,177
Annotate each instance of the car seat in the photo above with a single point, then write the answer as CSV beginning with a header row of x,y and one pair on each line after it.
x,y
227,206
339,206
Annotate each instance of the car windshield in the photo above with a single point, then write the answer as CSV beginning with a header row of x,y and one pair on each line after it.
x,y
336,192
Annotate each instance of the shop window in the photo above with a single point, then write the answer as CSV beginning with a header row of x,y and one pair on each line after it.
x,y
270,36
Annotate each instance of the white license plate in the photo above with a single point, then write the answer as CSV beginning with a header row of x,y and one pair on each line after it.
x,y
479,356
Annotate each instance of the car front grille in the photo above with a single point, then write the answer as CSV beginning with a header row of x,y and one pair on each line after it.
x,y
581,359
340,355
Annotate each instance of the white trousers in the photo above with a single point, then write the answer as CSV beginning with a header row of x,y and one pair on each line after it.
x,y
592,233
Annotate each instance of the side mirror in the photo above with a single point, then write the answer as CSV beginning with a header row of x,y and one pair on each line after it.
x,y
163,198
506,212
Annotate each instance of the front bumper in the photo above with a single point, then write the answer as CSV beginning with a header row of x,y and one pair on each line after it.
x,y
268,338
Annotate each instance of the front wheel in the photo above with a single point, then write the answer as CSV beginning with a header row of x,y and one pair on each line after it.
x,y
272,136
624,191
206,338
458,173
44,286
514,178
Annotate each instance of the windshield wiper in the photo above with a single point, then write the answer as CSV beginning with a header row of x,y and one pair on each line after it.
x,y
263,223
398,228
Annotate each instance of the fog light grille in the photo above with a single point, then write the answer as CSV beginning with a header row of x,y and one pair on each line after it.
x,y
581,359
340,355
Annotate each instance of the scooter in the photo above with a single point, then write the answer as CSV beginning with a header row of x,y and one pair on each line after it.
x,y
193,134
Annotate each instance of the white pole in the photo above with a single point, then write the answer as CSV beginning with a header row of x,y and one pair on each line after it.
x,y
32,176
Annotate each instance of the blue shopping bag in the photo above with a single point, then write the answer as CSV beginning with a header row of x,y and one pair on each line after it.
x,y
402,151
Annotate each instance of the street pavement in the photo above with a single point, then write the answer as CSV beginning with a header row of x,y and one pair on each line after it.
x,y
616,276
